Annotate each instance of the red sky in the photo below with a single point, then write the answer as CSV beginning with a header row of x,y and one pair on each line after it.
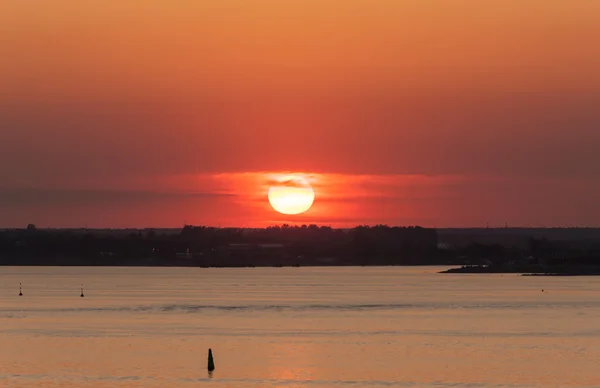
x,y
143,113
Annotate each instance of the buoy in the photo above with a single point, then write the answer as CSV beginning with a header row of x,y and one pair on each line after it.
x,y
211,362
81,291
20,290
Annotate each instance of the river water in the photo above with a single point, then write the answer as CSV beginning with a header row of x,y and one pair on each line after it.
x,y
296,327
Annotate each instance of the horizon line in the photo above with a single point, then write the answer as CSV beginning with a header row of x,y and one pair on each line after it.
x,y
2,228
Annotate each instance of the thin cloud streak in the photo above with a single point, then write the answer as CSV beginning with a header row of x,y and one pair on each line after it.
x,y
49,197
240,199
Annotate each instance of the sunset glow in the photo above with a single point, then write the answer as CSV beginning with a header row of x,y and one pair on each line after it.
x,y
441,113
292,195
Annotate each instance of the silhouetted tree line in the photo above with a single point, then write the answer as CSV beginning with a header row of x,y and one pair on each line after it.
x,y
209,246
280,245
537,251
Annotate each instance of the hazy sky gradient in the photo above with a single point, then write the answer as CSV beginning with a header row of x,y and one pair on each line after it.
x,y
120,113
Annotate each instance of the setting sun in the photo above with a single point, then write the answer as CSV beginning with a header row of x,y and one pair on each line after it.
x,y
291,195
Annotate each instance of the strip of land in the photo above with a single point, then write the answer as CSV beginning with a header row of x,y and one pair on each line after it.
x,y
546,251
574,270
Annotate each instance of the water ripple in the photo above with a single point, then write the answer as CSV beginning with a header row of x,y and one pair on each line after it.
x,y
196,308
263,382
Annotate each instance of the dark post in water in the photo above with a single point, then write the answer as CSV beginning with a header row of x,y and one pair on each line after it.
x,y
211,362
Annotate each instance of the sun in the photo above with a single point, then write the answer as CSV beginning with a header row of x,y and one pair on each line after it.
x,y
291,194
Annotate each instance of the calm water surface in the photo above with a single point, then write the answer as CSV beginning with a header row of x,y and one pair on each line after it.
x,y
296,327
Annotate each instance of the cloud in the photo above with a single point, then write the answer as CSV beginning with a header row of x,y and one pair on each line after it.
x,y
50,197
240,199
297,182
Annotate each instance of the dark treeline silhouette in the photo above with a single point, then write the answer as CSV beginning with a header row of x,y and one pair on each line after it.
x,y
537,256
286,245
283,245
518,237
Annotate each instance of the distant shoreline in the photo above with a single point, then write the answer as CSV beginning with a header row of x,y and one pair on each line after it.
x,y
223,266
535,270
537,251
562,274
473,270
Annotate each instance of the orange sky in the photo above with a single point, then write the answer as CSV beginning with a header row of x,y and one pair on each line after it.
x,y
441,113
